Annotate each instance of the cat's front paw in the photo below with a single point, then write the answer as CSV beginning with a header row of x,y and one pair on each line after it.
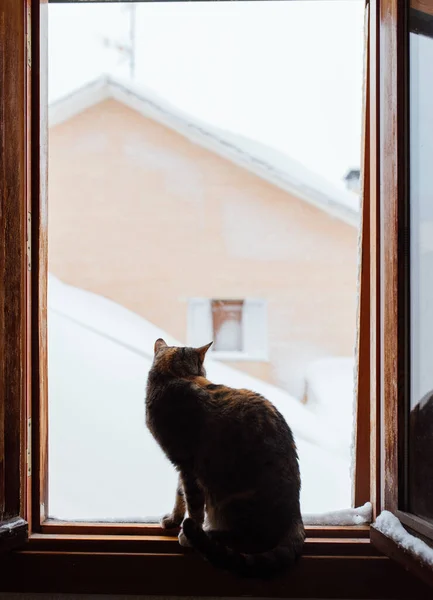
x,y
183,541
168,522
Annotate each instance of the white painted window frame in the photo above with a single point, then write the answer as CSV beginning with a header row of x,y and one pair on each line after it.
x,y
254,329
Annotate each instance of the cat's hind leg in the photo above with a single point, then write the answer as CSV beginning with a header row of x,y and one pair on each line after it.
x,y
195,503
194,498
175,518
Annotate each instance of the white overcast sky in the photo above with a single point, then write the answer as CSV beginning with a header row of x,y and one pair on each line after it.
x,y
285,73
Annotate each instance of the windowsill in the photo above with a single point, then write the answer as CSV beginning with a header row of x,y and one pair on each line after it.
x,y
331,567
406,558
238,356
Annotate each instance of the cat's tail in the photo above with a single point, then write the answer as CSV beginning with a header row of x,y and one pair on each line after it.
x,y
264,565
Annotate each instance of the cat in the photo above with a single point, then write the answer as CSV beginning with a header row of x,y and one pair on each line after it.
x,y
237,462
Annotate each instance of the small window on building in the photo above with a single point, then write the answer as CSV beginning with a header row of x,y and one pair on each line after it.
x,y
238,328
227,325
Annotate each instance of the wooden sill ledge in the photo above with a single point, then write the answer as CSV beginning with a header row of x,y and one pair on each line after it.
x,y
338,568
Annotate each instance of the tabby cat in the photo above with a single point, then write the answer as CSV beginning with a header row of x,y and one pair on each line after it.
x,y
237,465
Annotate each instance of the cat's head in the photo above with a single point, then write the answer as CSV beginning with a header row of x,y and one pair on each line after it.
x,y
179,361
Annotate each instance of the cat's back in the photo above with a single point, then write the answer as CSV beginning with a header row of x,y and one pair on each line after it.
x,y
249,446
246,434
248,410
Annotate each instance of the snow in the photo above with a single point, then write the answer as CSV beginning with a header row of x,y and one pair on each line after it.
x,y
115,323
349,516
104,464
389,525
303,178
330,388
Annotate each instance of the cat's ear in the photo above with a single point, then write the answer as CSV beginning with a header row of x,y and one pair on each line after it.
x,y
159,344
202,351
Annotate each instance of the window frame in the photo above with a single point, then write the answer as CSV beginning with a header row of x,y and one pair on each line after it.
x,y
14,277
338,562
395,274
419,525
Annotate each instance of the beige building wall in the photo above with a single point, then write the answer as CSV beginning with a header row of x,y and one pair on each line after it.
x,y
142,216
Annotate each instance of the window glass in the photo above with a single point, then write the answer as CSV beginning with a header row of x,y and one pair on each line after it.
x,y
420,474
227,325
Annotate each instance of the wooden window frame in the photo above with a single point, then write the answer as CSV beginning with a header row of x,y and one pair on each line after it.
x,y
338,562
395,274
14,278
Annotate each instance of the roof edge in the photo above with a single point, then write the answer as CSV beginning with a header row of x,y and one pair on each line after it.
x,y
78,101
337,203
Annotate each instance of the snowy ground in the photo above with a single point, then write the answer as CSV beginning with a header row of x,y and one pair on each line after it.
x,y
103,463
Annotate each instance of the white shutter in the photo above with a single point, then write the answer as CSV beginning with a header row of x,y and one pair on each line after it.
x,y
255,329
199,326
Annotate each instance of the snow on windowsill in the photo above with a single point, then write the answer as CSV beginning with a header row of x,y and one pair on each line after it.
x,y
390,526
345,517
350,516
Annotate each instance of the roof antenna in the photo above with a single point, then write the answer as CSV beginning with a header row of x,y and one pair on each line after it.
x,y
132,14
127,49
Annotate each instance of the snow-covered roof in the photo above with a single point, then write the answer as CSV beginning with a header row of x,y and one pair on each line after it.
x,y
104,464
268,163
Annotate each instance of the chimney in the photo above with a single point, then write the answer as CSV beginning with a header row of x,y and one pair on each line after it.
x,y
353,180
